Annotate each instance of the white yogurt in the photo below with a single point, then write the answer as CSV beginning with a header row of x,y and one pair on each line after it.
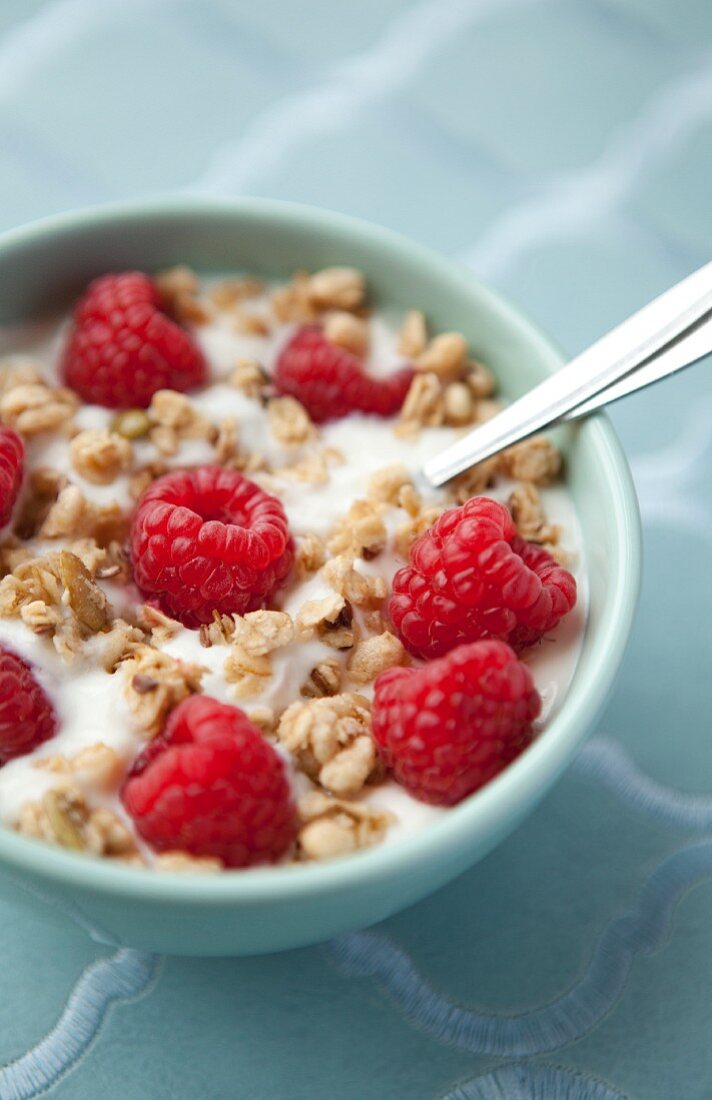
x,y
89,702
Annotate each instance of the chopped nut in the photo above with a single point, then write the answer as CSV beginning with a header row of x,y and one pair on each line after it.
x,y
144,477
174,282
385,484
529,517
219,632
131,424
361,532
99,456
409,500
459,404
66,817
423,406
312,469
191,311
337,288
331,738
473,482
264,718
228,292
35,407
311,554
161,626
413,336
261,632
118,643
333,827
107,835
361,590
324,679
69,639
289,421
445,356
374,655
43,487
34,580
340,634
535,459
291,303
393,485
174,417
248,671
73,516
227,446
250,377
97,765
40,617
480,379
347,331
315,614
175,681
408,532
178,287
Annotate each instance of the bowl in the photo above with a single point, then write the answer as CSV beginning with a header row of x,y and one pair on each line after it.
x,y
44,265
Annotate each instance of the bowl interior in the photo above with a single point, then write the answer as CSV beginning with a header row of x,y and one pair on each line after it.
x,y
43,266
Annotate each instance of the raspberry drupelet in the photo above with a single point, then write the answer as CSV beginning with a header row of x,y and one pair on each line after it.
x,y
470,576
206,540
448,728
211,785
27,717
123,347
12,462
330,381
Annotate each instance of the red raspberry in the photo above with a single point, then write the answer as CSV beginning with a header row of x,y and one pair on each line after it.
x,y
470,576
12,462
123,347
26,714
330,381
211,785
448,728
207,540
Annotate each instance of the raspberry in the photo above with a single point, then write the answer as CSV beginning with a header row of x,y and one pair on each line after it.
x,y
123,347
470,576
448,728
211,785
207,540
330,381
26,714
12,457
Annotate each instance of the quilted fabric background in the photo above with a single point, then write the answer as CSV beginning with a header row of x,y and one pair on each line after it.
x,y
563,149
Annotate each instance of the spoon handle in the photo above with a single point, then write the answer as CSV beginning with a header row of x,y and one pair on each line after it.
x,y
681,353
664,336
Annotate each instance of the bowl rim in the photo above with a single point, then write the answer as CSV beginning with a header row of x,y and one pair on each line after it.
x,y
520,781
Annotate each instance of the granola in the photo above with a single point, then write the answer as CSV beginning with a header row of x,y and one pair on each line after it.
x,y
302,668
331,737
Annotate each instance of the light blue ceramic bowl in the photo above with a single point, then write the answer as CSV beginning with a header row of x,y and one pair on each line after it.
x,y
42,267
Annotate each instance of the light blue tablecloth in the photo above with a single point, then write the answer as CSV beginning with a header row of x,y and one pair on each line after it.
x,y
564,149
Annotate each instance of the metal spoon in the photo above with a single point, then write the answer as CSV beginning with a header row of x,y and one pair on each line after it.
x,y
671,332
